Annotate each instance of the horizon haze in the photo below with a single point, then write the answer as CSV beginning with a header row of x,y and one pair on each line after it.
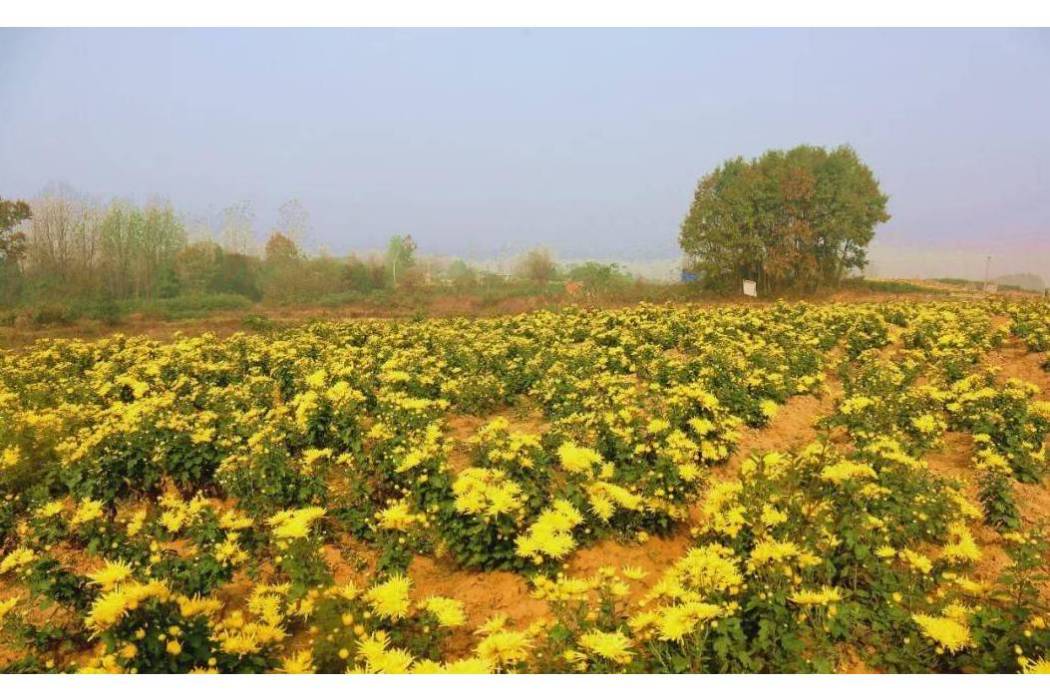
x,y
483,143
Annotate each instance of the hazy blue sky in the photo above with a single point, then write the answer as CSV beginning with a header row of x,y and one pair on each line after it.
x,y
482,141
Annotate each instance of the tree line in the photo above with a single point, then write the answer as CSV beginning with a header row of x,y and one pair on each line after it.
x,y
60,247
797,219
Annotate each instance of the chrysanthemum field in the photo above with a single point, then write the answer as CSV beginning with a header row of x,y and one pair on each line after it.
x,y
653,489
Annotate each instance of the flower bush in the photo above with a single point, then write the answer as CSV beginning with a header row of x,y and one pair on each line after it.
x,y
271,503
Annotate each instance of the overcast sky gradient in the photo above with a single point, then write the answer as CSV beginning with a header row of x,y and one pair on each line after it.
x,y
482,142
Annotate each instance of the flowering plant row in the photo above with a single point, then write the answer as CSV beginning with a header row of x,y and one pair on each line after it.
x,y
256,503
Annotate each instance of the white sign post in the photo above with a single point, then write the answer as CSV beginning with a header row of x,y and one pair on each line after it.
x,y
750,288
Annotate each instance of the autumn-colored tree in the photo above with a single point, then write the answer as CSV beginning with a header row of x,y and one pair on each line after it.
x,y
537,266
281,249
789,219
282,270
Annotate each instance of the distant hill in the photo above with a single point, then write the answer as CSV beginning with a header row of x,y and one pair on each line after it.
x,y
1020,282
1026,281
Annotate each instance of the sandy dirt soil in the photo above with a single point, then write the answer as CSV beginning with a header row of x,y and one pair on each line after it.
x,y
483,595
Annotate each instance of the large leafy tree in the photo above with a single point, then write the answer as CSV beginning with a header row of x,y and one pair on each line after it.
x,y
798,218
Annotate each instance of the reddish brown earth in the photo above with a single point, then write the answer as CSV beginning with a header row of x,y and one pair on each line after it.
x,y
460,428
653,557
793,427
483,594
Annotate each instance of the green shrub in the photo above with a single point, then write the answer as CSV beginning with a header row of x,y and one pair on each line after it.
x,y
258,323
53,315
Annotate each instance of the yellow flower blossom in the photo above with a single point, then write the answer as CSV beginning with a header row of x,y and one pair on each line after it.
x,y
613,646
